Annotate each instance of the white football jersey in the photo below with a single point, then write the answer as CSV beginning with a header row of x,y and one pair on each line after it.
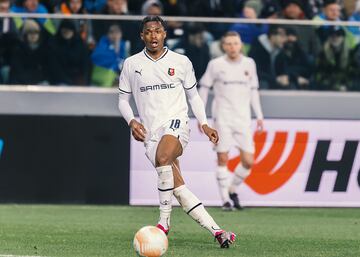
x,y
232,82
158,86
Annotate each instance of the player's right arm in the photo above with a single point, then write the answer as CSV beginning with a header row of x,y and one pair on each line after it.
x,y
206,82
137,129
197,105
255,99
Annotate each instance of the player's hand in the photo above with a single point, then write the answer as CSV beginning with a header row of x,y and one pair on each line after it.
x,y
138,130
283,80
303,81
259,126
211,133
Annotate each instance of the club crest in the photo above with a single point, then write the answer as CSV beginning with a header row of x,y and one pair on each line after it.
x,y
171,71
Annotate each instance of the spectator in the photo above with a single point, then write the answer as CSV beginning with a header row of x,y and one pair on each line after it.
x,y
72,60
50,5
355,17
266,51
333,63
84,27
249,32
117,7
315,7
71,7
135,6
295,10
174,8
332,12
297,65
33,6
355,68
194,46
271,9
94,6
8,40
108,57
7,24
31,60
213,8
348,8
152,7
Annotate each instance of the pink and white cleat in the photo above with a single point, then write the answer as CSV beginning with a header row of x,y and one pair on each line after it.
x,y
166,231
224,238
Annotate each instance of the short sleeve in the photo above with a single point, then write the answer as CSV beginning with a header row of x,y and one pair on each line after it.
x,y
207,79
189,77
254,76
124,80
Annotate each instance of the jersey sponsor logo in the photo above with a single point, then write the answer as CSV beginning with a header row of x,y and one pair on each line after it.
x,y
171,71
138,72
264,178
157,87
1,146
227,82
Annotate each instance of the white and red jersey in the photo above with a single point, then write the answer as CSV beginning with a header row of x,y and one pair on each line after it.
x,y
158,86
233,82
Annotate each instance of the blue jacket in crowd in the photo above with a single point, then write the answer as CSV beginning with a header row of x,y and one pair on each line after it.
x,y
104,55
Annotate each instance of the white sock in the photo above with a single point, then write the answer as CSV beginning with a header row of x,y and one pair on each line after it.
x,y
193,207
223,179
240,175
165,189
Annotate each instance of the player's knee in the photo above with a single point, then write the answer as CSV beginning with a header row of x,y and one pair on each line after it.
x,y
222,160
242,171
248,162
163,159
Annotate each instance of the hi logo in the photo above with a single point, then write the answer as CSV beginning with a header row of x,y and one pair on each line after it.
x,y
1,146
264,178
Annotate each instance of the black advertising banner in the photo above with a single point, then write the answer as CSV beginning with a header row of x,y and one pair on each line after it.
x,y
64,159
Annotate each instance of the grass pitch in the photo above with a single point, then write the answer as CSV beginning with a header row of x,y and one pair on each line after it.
x,y
106,231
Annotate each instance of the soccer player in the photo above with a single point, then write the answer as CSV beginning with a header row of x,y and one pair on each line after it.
x,y
234,79
159,80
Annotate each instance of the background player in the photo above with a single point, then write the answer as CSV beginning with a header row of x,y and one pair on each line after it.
x,y
160,79
236,84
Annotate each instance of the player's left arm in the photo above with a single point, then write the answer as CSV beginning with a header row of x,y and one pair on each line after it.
x,y
255,99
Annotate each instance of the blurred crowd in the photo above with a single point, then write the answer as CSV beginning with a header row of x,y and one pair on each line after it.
x,y
91,52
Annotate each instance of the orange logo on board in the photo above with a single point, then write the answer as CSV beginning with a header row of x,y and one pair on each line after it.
x,y
263,178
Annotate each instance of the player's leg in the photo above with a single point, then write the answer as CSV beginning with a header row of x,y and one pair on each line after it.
x,y
168,149
195,209
223,177
222,173
242,170
178,179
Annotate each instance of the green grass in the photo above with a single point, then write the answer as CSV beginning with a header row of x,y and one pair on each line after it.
x,y
104,231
